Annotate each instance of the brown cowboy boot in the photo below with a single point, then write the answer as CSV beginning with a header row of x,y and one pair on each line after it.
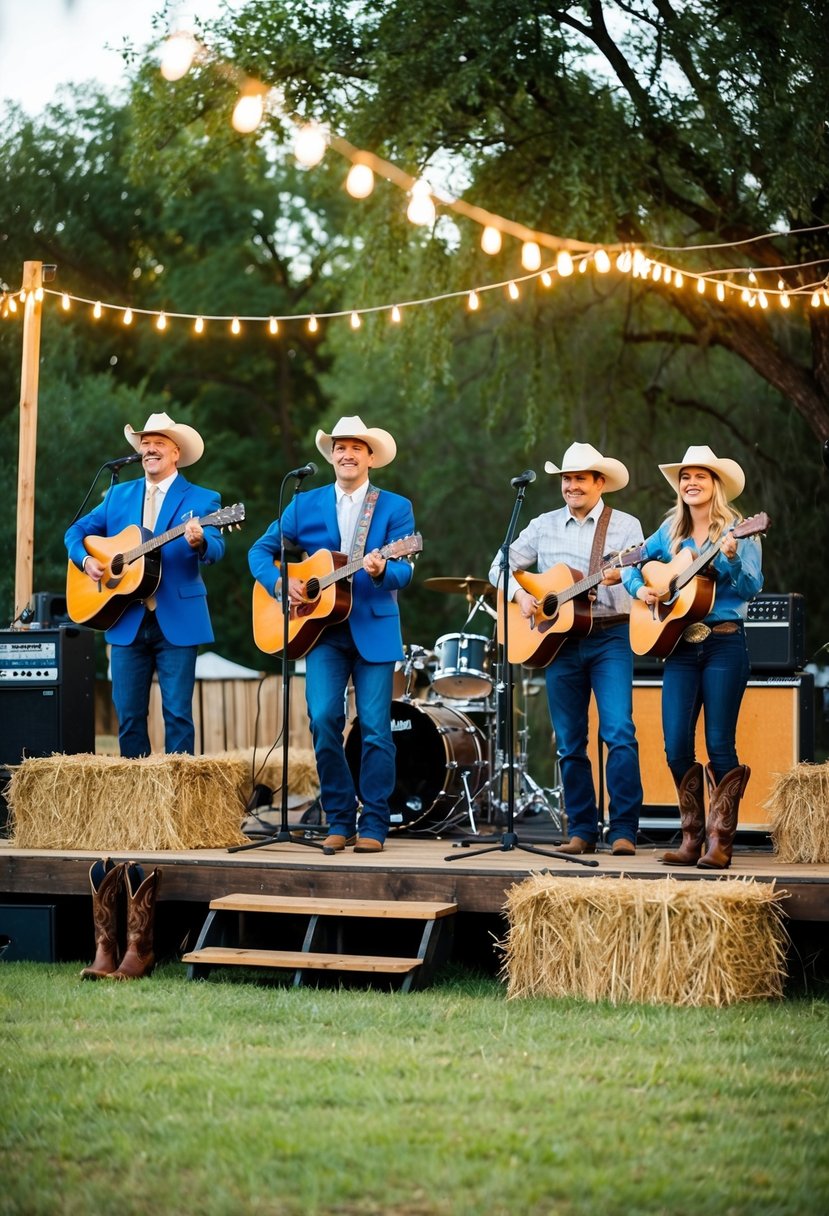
x,y
691,819
722,817
141,896
105,878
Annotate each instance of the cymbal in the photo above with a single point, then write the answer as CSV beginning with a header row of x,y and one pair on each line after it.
x,y
469,586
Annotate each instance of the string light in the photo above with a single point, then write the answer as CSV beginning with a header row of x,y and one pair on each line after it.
x,y
39,295
161,323
177,55
784,300
530,255
720,292
248,111
816,299
64,302
564,263
235,327
490,240
601,259
546,278
12,304
473,302
360,180
273,326
97,310
395,315
583,266
310,144
701,285
513,291
199,325
127,317
421,209
355,320
313,325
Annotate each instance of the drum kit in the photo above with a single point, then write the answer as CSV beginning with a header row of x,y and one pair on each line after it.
x,y
447,719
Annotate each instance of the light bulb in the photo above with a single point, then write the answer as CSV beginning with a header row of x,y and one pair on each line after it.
x,y
816,299
679,281
421,208
235,327
784,300
360,181
546,278
530,255
313,325
273,326
310,144
720,292
395,315
177,55
199,325
355,320
473,301
602,261
761,297
161,323
12,304
64,302
564,263
491,240
39,294
781,285
513,291
701,286
624,261
97,310
582,265
127,317
656,272
248,112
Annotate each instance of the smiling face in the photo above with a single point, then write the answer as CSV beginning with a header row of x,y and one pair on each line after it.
x,y
159,456
581,491
696,486
352,459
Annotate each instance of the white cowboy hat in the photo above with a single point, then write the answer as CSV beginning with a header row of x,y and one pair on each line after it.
x,y
701,457
188,441
381,443
584,458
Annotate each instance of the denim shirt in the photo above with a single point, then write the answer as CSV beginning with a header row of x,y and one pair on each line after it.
x,y
737,581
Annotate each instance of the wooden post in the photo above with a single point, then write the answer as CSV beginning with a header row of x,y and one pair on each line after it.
x,y
24,564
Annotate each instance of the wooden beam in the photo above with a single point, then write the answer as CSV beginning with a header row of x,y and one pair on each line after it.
x,y
30,369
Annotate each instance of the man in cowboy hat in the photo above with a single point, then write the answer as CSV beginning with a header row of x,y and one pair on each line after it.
x,y
350,516
578,535
163,633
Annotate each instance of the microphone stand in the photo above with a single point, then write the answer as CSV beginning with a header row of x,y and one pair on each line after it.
x,y
283,835
509,838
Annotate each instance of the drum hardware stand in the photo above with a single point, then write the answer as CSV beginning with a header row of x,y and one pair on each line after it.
x,y
284,834
509,838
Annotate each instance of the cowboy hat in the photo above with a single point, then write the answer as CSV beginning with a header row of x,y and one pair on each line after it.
x,y
701,457
584,458
381,443
188,441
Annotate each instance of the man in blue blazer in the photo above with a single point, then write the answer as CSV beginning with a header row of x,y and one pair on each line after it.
x,y
163,634
351,516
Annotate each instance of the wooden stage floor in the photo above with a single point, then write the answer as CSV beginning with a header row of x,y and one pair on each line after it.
x,y
409,868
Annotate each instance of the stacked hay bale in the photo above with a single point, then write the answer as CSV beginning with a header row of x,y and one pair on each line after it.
x,y
627,940
799,814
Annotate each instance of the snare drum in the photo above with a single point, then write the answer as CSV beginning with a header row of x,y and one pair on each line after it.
x,y
435,748
463,666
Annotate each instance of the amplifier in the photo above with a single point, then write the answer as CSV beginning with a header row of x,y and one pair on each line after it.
x,y
776,632
47,692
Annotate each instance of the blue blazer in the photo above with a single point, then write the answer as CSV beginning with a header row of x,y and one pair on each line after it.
x,y
310,523
181,599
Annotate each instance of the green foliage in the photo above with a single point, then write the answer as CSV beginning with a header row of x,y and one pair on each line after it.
x,y
219,1097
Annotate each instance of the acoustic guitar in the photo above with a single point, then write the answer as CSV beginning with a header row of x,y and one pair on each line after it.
x,y
685,594
132,569
564,609
327,598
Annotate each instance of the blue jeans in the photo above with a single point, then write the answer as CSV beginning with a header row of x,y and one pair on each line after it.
x,y
327,670
132,674
601,663
713,674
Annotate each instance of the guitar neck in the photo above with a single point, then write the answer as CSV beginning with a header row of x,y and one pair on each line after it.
x,y
342,572
699,563
155,543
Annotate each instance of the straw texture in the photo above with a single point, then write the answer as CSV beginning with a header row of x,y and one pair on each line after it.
x,y
108,803
799,814
264,769
652,942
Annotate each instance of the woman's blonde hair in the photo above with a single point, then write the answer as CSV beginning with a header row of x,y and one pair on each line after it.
x,y
723,515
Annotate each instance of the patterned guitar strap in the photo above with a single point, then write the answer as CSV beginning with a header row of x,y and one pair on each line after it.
x,y
358,544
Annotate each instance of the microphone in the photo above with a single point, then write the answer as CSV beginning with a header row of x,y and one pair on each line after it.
x,y
524,479
307,470
122,460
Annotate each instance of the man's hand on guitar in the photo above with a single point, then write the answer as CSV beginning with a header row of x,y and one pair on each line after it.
x,y
611,575
93,568
526,602
194,533
647,595
374,564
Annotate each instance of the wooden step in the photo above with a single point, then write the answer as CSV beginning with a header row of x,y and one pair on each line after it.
x,y
299,960
392,909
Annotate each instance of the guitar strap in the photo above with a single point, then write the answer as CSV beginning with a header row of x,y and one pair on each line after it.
x,y
358,545
597,551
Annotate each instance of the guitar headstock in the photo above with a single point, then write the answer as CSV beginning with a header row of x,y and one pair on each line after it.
x,y
631,556
404,547
226,517
752,526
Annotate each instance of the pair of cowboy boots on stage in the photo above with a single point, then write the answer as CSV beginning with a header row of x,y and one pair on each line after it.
x,y
107,880
724,806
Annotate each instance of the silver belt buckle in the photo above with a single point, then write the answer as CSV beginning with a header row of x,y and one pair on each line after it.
x,y
696,632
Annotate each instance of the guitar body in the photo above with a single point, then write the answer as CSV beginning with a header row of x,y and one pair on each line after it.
x,y
305,621
534,642
655,630
100,605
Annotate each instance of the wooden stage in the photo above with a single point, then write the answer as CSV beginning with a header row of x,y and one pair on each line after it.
x,y
409,868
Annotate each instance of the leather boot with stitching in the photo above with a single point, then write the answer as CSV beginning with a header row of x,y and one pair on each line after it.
x,y
722,818
336,842
105,878
142,893
367,844
576,845
691,819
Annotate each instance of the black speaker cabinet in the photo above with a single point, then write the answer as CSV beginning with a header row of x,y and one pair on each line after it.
x,y
776,632
47,692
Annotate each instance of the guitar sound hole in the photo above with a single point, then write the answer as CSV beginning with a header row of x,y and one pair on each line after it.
x,y
117,565
312,589
549,605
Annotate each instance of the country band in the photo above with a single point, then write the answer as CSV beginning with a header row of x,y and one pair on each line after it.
x,y
584,590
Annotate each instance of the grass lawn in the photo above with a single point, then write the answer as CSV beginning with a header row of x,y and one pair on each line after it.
x,y
167,1096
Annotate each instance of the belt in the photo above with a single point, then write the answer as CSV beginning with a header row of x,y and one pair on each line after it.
x,y
698,632
607,622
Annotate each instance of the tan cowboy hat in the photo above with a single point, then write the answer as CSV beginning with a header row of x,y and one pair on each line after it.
x,y
188,441
729,472
584,458
381,443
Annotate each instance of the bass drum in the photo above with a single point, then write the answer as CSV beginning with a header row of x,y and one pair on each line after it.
x,y
435,746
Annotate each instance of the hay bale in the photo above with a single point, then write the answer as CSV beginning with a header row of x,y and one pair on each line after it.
x,y
107,803
799,814
661,942
260,768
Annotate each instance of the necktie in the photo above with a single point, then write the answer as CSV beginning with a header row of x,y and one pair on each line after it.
x,y
151,507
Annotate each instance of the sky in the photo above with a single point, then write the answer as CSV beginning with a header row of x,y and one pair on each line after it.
x,y
46,43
